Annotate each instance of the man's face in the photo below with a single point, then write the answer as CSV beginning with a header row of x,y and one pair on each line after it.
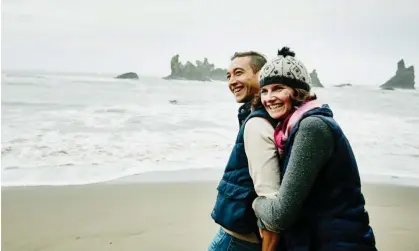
x,y
242,81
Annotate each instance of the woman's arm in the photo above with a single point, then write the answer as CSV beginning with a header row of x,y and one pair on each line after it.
x,y
312,148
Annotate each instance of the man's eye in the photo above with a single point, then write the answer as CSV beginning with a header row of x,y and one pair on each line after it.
x,y
238,73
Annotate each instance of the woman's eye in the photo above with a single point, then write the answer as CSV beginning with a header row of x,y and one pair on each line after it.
x,y
278,89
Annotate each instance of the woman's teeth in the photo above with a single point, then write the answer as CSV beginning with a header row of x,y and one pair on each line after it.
x,y
276,106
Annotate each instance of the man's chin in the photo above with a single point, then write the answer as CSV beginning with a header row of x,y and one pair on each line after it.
x,y
243,99
239,99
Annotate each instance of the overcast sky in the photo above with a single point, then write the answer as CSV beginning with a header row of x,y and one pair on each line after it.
x,y
346,41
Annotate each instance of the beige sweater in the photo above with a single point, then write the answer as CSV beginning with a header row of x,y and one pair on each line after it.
x,y
263,162
262,156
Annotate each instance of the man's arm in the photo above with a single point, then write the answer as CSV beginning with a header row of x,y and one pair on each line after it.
x,y
313,146
262,156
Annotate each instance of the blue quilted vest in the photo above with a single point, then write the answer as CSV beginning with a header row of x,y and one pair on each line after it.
x,y
333,216
233,207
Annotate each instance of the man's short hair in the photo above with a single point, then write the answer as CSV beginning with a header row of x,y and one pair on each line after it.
x,y
257,60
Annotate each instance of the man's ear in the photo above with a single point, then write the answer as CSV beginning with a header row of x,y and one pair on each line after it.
x,y
257,74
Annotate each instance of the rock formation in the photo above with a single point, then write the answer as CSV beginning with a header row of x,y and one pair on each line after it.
x,y
202,71
315,81
343,85
128,75
404,78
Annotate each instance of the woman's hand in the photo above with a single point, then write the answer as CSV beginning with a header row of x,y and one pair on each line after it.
x,y
270,240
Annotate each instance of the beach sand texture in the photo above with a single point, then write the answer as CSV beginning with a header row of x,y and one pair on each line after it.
x,y
161,216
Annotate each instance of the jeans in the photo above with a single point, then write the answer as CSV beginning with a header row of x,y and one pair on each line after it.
x,y
225,242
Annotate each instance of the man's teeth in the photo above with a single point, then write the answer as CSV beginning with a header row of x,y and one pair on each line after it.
x,y
273,107
237,90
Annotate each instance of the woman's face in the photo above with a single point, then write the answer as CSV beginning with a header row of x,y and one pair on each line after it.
x,y
277,100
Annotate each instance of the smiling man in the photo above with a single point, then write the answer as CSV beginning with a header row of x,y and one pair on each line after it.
x,y
242,75
243,181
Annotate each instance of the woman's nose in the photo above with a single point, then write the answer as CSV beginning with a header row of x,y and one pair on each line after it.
x,y
270,97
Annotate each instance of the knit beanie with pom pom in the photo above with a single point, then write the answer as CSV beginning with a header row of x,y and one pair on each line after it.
x,y
285,69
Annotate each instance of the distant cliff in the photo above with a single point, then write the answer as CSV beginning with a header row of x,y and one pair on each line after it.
x,y
404,78
202,71
315,81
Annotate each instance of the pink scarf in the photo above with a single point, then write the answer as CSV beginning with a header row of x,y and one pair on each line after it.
x,y
283,129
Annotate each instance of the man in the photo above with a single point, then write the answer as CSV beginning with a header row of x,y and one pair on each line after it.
x,y
242,182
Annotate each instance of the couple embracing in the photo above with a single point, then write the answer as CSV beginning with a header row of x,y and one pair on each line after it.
x,y
292,181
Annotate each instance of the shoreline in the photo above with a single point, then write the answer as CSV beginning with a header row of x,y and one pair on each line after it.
x,y
136,216
214,175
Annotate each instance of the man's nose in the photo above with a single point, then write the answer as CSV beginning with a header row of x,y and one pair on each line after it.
x,y
232,81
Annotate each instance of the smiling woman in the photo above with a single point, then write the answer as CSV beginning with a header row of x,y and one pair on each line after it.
x,y
279,99
318,204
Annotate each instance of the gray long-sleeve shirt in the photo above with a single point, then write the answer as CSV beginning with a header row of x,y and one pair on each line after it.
x,y
312,147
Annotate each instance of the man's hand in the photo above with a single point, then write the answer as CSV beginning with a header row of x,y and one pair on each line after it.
x,y
270,240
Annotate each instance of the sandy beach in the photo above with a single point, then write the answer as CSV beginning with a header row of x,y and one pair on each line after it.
x,y
161,216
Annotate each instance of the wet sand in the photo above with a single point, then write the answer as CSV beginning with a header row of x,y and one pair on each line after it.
x,y
161,216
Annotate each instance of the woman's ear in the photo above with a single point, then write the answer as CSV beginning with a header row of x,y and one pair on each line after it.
x,y
295,99
294,94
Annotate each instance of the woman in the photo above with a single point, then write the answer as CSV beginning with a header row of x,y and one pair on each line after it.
x,y
319,205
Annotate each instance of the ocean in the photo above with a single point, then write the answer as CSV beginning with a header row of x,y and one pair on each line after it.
x,y
65,129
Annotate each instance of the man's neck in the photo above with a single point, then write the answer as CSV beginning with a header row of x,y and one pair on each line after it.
x,y
245,107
